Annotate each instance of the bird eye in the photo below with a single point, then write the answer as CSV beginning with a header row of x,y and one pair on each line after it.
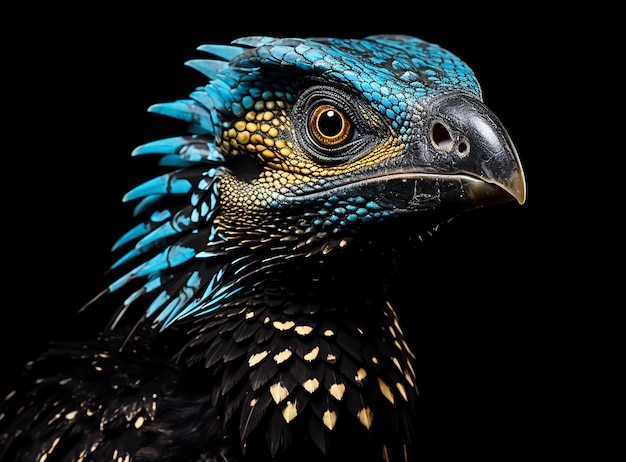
x,y
330,126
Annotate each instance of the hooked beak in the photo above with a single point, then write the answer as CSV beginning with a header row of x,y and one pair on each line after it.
x,y
470,141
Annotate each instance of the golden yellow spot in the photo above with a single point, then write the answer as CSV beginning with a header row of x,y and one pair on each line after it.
x,y
329,419
267,154
243,137
303,330
250,315
285,152
251,115
240,126
252,127
267,116
265,128
139,421
360,375
282,356
311,385
280,144
273,132
385,390
279,392
366,417
71,415
290,412
337,390
402,390
256,139
257,358
311,355
283,325
328,333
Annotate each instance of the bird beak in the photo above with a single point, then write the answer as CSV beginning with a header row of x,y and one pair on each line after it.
x,y
467,140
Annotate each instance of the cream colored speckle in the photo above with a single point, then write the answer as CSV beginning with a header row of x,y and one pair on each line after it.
x,y
250,314
257,358
360,375
386,390
329,419
366,417
337,390
303,330
279,392
283,325
402,390
282,356
139,421
71,415
409,379
290,411
328,333
311,385
311,355
386,454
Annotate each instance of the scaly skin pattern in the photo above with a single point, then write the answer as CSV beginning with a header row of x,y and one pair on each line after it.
x,y
255,316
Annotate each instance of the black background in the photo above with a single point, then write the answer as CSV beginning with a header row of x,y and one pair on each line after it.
x,y
502,337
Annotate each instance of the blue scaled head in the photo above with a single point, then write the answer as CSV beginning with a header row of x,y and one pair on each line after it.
x,y
299,146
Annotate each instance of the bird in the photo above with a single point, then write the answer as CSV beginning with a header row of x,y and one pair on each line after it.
x,y
252,307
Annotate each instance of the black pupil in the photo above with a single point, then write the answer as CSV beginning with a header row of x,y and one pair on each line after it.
x,y
330,123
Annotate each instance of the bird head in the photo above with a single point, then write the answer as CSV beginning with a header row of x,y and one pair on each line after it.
x,y
298,147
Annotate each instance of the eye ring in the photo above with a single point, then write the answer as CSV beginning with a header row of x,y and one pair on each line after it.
x,y
330,126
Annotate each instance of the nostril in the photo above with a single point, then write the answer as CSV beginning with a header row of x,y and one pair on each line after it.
x,y
440,137
463,147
